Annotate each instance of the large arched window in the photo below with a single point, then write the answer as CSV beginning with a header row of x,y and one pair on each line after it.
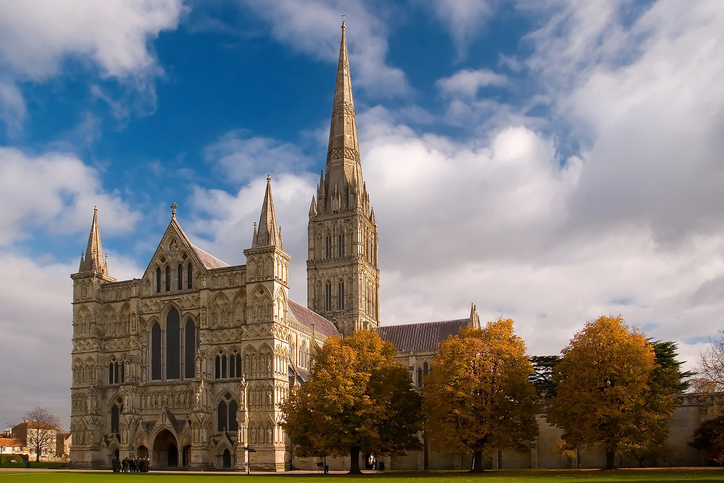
x,y
233,423
190,350
115,418
172,345
158,279
226,414
156,352
222,423
180,277
168,278
189,277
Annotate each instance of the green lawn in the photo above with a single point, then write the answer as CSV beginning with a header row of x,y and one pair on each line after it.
x,y
503,476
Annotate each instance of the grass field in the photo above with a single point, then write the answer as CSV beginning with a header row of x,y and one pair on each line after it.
x,y
503,476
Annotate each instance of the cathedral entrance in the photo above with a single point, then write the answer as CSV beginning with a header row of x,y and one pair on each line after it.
x,y
142,452
226,459
186,455
165,450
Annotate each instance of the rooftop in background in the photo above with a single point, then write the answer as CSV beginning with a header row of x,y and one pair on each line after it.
x,y
424,337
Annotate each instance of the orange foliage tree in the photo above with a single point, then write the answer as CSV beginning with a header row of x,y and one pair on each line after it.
x,y
478,396
358,399
608,391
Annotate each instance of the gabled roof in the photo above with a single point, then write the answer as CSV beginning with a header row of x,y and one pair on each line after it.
x,y
174,230
208,260
306,317
423,337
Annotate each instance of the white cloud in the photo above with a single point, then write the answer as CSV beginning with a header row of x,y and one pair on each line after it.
x,y
312,27
36,36
468,82
241,156
463,18
53,191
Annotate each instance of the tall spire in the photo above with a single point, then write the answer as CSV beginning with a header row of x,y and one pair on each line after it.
x,y
267,233
343,159
93,260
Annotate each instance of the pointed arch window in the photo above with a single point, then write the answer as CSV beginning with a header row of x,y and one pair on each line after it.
x,y
180,277
158,279
340,295
226,414
235,365
222,413
168,278
340,246
328,297
173,342
156,352
115,372
189,276
328,246
115,419
190,350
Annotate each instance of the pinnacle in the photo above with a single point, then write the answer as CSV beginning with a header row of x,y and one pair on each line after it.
x,y
267,232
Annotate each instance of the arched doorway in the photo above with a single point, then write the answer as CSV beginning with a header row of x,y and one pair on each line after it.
x,y
187,455
165,450
226,458
142,452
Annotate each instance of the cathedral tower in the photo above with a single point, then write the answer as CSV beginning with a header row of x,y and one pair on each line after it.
x,y
343,275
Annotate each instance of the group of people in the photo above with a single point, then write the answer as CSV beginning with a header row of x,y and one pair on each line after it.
x,y
132,465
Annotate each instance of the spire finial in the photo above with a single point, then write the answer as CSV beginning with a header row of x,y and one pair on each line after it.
x,y
173,210
343,26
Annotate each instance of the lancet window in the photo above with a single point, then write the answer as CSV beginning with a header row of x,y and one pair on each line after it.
x,y
115,372
226,414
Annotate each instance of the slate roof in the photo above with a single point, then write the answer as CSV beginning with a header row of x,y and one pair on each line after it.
x,y
208,260
423,337
306,317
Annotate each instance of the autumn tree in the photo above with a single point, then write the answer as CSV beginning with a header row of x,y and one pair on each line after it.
x,y
41,430
479,397
609,392
357,400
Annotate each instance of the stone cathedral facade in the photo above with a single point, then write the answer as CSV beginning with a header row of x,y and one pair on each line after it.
x,y
187,364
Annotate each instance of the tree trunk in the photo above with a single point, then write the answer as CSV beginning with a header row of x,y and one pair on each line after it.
x,y
354,461
477,461
37,455
610,455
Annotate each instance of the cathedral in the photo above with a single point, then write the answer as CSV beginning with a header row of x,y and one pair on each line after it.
x,y
187,365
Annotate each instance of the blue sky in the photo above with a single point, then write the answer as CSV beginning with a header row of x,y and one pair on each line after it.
x,y
549,161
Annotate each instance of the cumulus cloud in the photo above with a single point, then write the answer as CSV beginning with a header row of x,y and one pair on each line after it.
x,y
242,156
53,191
312,27
468,82
37,36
